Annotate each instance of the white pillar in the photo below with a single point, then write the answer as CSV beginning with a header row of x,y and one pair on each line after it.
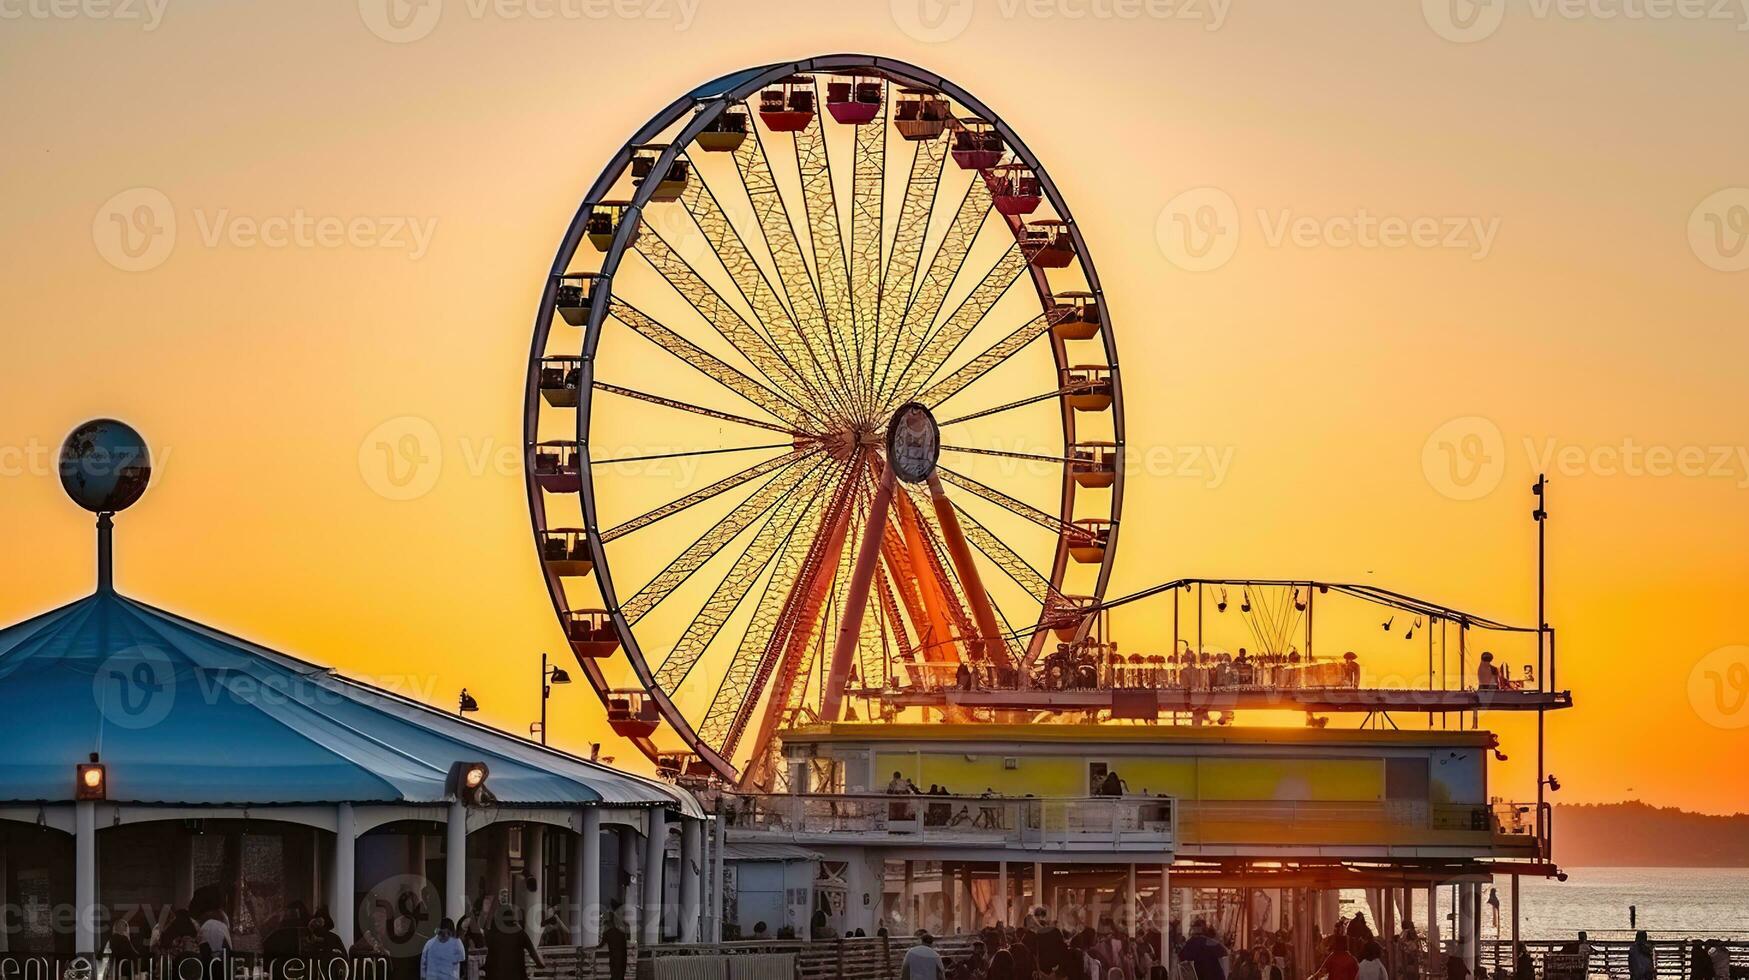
x,y
532,901
691,877
717,859
455,862
907,894
1184,917
655,854
631,868
1130,923
1166,915
1435,962
1038,883
586,882
85,877
342,903
1000,905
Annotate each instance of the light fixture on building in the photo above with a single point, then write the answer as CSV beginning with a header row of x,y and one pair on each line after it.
x,y
466,703
467,782
90,780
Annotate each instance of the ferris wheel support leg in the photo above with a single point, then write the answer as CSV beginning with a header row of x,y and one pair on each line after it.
x,y
993,648
938,647
856,600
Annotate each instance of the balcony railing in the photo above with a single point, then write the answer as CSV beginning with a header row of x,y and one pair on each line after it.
x,y
1394,823
1040,823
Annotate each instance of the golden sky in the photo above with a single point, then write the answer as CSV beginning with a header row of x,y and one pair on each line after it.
x,y
1507,236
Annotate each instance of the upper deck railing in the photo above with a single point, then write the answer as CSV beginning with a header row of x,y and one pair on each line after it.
x,y
1038,823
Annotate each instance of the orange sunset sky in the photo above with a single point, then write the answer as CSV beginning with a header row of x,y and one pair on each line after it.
x,y
1304,399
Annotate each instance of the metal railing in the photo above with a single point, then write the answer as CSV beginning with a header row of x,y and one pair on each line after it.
x,y
1609,958
1003,821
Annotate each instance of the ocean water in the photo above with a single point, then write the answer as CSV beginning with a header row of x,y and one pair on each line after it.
x,y
1670,903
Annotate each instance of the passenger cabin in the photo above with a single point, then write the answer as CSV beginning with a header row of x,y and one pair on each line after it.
x,y
1088,387
1087,543
1015,188
559,378
556,468
671,184
977,145
854,101
921,115
565,551
591,633
1093,465
788,106
604,221
725,133
632,714
1047,244
1075,316
572,295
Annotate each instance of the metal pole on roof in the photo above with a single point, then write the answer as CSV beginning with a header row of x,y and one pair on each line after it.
x,y
105,552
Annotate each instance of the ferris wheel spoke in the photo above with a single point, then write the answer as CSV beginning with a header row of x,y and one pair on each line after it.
x,y
1009,454
981,365
1011,406
778,229
711,366
750,278
1031,580
723,318
819,199
944,341
867,230
768,544
680,454
715,539
785,652
728,482
900,273
924,305
1020,508
614,389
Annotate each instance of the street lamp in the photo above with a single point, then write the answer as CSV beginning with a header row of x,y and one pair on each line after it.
x,y
466,703
549,675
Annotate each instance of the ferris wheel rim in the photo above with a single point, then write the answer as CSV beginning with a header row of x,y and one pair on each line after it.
x,y
705,103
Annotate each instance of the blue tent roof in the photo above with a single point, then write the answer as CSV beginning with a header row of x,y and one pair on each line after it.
x,y
184,714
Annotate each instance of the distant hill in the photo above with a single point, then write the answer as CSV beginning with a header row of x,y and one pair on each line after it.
x,y
1635,834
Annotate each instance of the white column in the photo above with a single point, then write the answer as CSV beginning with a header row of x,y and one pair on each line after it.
x,y
586,882
631,868
85,876
691,877
1038,883
342,905
532,901
655,852
1000,905
718,859
1435,962
1184,895
1166,915
1130,923
455,862
906,895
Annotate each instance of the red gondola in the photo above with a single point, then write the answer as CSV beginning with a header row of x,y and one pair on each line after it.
x,y
1047,244
1087,545
854,102
976,145
1015,188
1089,387
555,467
788,106
632,715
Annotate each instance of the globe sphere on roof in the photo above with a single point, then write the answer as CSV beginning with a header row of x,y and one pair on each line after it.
x,y
105,465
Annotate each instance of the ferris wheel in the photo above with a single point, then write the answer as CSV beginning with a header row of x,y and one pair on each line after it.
x,y
798,435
